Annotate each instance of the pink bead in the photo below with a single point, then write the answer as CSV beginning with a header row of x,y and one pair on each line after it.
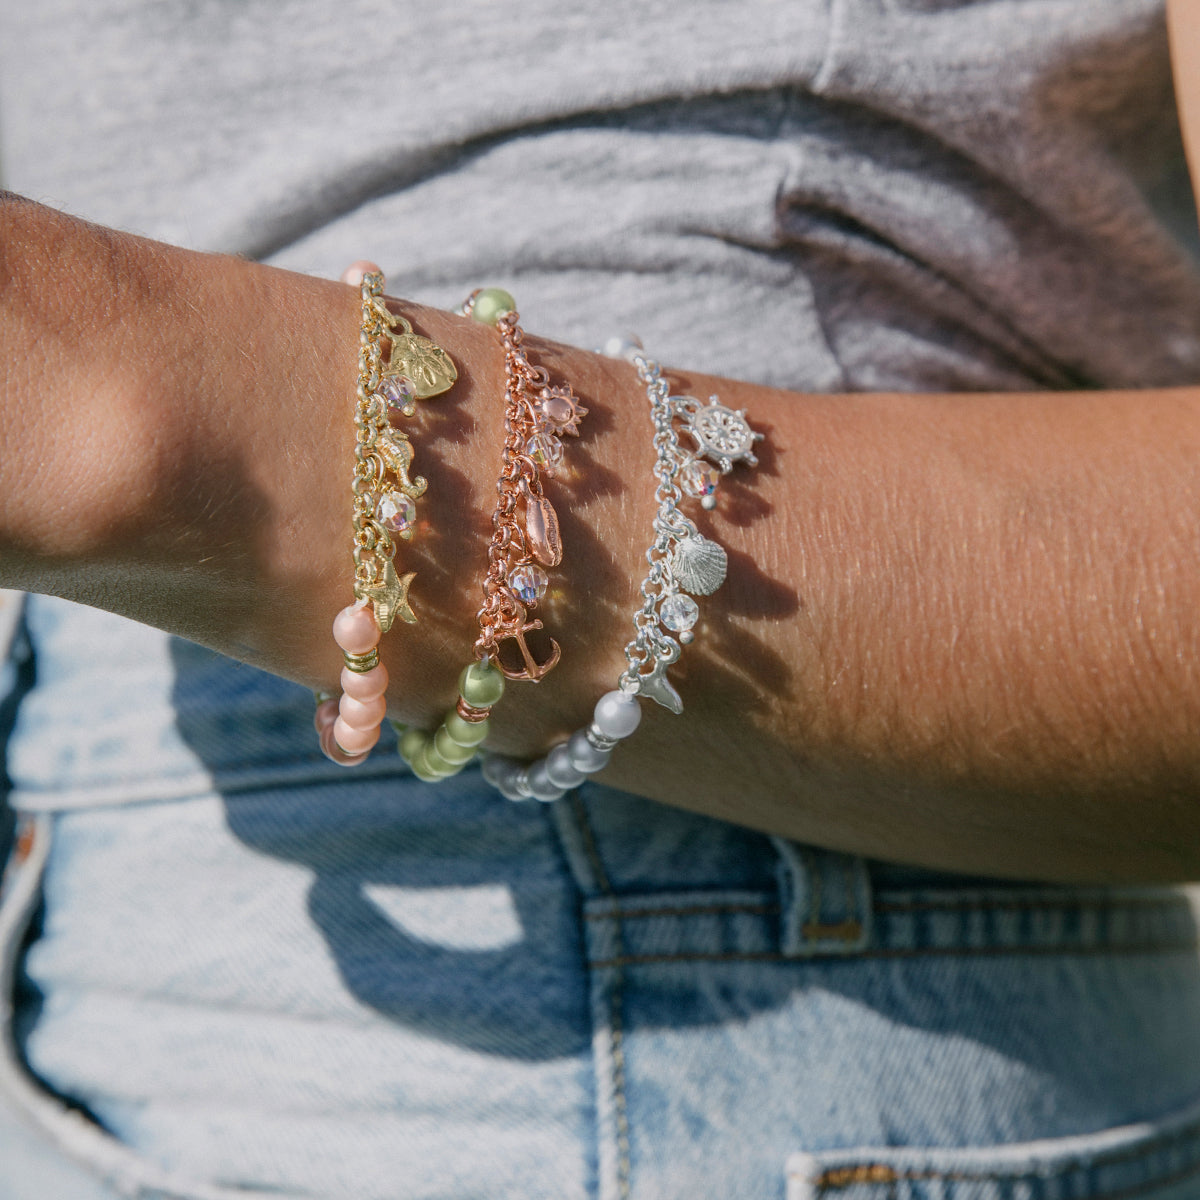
x,y
362,714
335,753
326,714
353,274
365,685
355,629
354,741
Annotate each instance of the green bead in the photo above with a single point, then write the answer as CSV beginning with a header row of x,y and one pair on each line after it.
x,y
424,774
435,764
465,733
490,303
450,750
481,686
422,768
412,741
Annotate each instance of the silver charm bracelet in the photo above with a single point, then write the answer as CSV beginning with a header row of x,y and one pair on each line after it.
x,y
682,561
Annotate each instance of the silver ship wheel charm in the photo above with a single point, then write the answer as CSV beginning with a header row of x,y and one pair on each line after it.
x,y
722,434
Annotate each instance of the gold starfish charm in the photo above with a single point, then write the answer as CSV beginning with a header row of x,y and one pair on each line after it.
x,y
389,596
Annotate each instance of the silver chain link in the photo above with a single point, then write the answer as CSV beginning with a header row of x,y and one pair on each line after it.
x,y
650,642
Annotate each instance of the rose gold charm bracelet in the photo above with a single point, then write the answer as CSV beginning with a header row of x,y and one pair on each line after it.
x,y
682,561
525,539
396,367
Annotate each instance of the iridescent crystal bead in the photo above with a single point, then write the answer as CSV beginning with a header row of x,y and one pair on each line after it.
x,y
395,512
529,582
545,451
700,479
679,612
399,395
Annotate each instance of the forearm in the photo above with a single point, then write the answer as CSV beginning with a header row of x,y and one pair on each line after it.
x,y
990,659
160,432
956,629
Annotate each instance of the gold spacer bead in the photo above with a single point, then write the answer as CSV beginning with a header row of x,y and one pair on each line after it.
x,y
362,663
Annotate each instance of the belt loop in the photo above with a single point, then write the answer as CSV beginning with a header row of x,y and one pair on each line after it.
x,y
825,901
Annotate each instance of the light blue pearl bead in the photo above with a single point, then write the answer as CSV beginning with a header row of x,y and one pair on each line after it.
x,y
508,789
617,714
560,770
584,756
495,768
502,774
626,346
541,785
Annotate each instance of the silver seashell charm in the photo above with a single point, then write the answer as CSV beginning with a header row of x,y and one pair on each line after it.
x,y
699,565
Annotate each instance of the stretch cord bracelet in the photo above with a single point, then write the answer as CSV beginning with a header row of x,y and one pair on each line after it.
x,y
525,538
396,367
682,561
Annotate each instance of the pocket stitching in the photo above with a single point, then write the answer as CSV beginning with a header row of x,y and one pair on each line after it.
x,y
878,1173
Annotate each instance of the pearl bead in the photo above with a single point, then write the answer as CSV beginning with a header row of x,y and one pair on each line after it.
x,y
623,347
584,756
465,733
452,751
326,714
334,752
363,685
542,786
507,787
354,741
481,686
433,762
495,768
353,274
559,769
355,629
423,769
617,714
362,714
490,304
411,741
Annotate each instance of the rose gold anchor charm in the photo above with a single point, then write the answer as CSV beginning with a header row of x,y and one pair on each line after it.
x,y
524,524
533,671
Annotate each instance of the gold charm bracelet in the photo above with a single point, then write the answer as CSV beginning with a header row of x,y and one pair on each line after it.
x,y
396,367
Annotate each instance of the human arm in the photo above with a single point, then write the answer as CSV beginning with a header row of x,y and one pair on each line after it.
x,y
958,630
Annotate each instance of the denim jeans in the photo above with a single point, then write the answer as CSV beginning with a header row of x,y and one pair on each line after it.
x,y
236,970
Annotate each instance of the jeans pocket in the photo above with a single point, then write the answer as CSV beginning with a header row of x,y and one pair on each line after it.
x,y
47,1146
1152,1160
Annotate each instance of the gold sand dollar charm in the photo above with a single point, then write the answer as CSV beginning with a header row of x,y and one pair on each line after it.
x,y
421,360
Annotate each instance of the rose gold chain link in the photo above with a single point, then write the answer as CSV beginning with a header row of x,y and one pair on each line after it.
x,y
502,615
